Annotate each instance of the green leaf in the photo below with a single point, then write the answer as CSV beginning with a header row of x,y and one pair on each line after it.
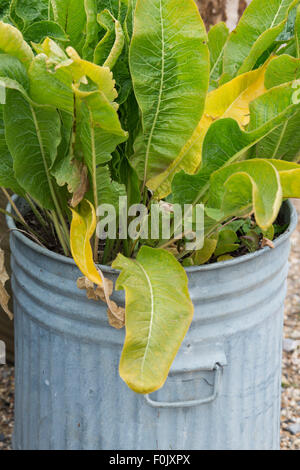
x,y
169,68
284,142
258,28
227,242
111,45
101,131
282,69
158,315
100,127
32,135
12,43
203,256
109,191
7,176
11,67
71,16
32,11
297,33
239,188
92,29
289,177
50,87
40,30
229,100
118,8
217,38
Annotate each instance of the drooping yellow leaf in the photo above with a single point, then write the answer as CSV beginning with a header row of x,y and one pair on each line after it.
x,y
230,100
82,229
83,226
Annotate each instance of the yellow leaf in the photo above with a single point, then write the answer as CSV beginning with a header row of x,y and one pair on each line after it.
x,y
230,100
82,229
101,76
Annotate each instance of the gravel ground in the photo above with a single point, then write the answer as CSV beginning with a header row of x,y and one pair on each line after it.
x,y
290,419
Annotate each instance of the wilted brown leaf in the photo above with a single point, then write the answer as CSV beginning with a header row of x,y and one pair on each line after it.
x,y
267,242
82,188
116,319
4,296
116,314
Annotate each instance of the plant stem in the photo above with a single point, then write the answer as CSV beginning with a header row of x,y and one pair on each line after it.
x,y
107,250
11,215
49,179
13,205
36,212
59,233
126,248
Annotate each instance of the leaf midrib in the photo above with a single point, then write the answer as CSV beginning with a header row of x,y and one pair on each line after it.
x,y
151,316
159,96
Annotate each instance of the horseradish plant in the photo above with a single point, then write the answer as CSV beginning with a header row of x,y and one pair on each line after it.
x,y
107,99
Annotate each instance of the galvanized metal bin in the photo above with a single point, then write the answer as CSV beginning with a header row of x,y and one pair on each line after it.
x,y
223,391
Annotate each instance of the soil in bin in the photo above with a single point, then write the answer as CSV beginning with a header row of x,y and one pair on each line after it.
x,y
49,240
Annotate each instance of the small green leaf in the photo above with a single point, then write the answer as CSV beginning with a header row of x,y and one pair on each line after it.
x,y
39,31
203,256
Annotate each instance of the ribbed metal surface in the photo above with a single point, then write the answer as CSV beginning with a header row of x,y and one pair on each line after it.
x,y
68,391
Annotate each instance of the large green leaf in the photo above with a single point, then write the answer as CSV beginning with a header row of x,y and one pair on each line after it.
x,y
230,100
158,314
170,68
12,43
258,28
32,135
217,38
